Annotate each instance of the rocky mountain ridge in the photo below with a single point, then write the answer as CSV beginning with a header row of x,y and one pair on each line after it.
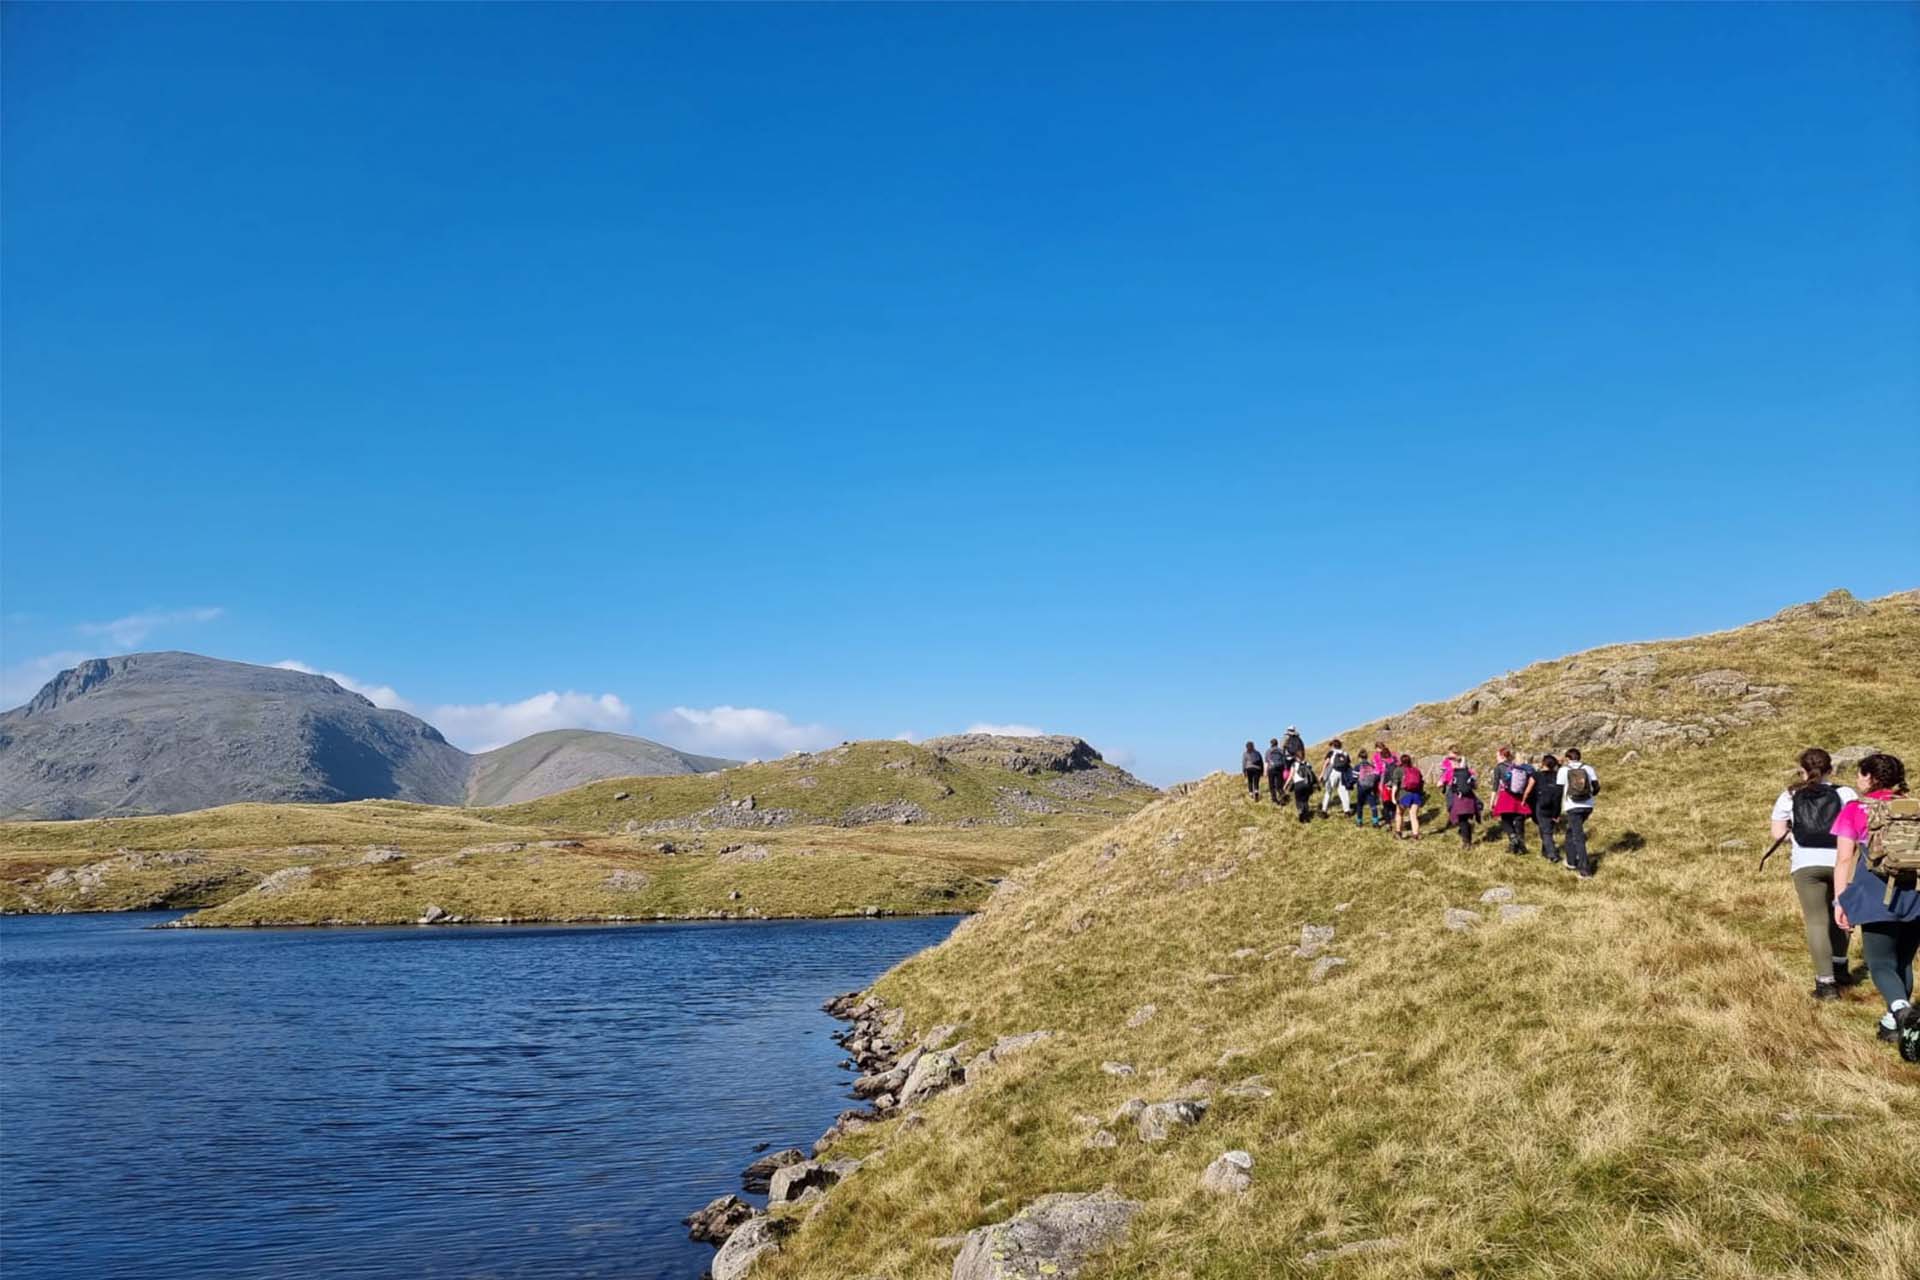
x,y
170,732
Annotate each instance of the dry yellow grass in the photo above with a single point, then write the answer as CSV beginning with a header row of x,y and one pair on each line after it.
x,y
1631,1084
215,858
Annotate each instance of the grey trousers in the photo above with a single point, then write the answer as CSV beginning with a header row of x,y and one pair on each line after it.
x,y
1826,941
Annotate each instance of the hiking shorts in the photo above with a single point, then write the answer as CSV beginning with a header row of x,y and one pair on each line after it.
x,y
1410,800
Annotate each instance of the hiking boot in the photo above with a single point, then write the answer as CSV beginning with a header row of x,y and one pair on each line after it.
x,y
1825,991
1845,977
1889,1034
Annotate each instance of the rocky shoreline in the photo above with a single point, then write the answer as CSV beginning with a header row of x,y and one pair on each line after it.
x,y
897,1073
448,920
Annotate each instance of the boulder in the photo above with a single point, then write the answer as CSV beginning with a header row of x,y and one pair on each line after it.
x,y
1099,1139
1054,1237
1499,893
720,1219
1847,760
750,1241
1003,1048
791,1181
1129,1111
374,857
1253,1088
933,1073
1459,919
1121,1069
1324,966
1229,1175
1314,938
1142,1016
758,1176
433,914
1159,1120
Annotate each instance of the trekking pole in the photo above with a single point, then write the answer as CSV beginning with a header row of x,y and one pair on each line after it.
x,y
1769,853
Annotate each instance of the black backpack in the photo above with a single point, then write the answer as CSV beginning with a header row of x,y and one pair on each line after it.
x,y
1340,761
1462,781
1303,778
1815,807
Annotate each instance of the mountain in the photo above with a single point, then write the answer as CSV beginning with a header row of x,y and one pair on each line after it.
x,y
1427,1059
543,764
171,732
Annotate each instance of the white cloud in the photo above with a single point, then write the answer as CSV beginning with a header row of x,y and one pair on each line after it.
x,y
129,631
1007,730
1119,757
906,735
22,680
482,726
380,695
740,731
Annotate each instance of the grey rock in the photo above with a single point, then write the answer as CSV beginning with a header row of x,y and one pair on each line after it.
x,y
1142,1016
285,880
1323,966
758,1176
745,853
374,857
791,1181
1253,1089
934,1072
1314,938
898,812
1003,1048
1846,761
1099,1139
1230,1174
751,1241
1121,1069
1514,912
1459,919
718,1220
622,795
433,914
1499,893
1054,1237
1129,1111
1159,1120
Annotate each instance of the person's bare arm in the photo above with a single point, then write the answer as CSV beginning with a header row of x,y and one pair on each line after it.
x,y
1842,876
1780,826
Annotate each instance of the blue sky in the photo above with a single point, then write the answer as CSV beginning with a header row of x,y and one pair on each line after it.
x,y
1164,375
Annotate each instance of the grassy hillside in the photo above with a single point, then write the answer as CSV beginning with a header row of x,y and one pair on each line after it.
x,y
886,827
1629,1081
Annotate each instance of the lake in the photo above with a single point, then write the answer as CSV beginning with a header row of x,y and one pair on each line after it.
x,y
472,1101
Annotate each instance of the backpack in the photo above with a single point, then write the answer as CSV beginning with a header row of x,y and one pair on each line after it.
x,y
1410,778
1462,781
1893,839
1368,775
1580,784
1516,779
1303,776
1341,761
1815,807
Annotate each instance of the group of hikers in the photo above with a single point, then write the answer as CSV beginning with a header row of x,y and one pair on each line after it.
x,y
1856,855
1388,789
1856,849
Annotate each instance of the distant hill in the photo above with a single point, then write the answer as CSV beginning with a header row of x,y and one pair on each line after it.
x,y
171,732
543,764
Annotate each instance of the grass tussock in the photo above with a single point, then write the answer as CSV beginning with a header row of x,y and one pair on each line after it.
x,y
1632,1083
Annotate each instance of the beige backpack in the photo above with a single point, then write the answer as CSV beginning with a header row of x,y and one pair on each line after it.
x,y
1893,839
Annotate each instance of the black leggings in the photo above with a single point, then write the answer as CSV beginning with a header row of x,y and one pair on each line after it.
x,y
1516,825
1890,950
1253,782
1465,822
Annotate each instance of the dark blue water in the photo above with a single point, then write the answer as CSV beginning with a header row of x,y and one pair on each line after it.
x,y
475,1102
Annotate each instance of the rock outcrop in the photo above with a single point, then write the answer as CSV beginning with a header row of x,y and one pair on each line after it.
x,y
1051,1239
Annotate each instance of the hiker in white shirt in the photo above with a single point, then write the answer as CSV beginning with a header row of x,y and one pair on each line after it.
x,y
1805,814
1338,773
1576,806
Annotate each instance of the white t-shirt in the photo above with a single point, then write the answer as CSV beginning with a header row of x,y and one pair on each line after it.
x,y
1566,801
1802,857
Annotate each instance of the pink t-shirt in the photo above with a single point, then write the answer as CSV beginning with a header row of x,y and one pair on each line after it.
x,y
1852,822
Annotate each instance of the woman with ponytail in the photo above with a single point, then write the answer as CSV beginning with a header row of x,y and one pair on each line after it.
x,y
1886,906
